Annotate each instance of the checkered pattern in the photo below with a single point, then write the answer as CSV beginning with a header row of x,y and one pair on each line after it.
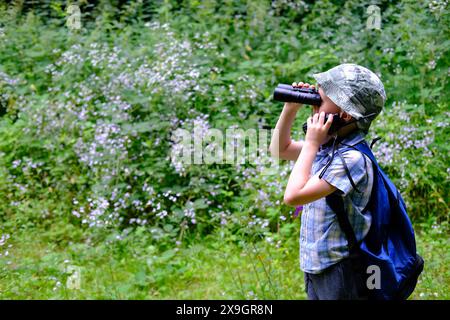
x,y
322,243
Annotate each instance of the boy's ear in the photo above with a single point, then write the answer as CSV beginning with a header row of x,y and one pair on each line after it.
x,y
345,116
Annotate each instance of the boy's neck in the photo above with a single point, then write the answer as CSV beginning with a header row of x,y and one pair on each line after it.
x,y
345,131
342,133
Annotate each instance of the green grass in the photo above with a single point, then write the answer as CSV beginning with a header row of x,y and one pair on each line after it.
x,y
213,268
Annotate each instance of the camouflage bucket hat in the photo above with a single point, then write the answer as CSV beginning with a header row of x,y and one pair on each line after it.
x,y
355,89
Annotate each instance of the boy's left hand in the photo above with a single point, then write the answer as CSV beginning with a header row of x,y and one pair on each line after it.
x,y
317,132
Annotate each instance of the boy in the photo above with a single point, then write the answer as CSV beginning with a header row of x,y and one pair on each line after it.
x,y
358,95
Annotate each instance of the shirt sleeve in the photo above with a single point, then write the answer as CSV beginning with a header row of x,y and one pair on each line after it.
x,y
337,177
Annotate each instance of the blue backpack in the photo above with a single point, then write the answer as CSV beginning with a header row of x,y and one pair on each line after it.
x,y
390,244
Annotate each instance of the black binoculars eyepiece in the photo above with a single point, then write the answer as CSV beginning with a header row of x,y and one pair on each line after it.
x,y
288,93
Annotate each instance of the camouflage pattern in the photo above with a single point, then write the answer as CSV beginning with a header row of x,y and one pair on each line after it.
x,y
355,89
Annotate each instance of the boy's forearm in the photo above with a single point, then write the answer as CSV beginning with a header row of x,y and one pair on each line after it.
x,y
301,172
281,138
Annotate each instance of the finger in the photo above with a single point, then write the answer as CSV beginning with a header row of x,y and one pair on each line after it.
x,y
321,117
329,121
294,84
313,86
315,118
306,85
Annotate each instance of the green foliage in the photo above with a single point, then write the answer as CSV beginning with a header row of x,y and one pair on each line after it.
x,y
86,155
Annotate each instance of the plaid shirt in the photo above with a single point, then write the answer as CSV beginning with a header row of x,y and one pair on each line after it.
x,y
322,243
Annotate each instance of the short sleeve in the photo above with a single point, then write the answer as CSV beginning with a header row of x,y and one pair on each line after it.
x,y
336,175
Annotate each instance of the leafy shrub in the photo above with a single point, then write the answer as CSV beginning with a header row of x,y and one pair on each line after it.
x,y
89,135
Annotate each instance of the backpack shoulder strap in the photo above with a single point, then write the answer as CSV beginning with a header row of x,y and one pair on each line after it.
x,y
336,203
339,152
347,171
363,147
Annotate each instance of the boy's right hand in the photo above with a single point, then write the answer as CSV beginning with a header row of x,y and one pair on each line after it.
x,y
299,85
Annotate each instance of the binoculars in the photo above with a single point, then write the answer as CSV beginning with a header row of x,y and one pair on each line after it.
x,y
288,93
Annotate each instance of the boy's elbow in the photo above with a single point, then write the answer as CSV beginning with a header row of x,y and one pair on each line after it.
x,y
276,152
272,150
292,200
287,201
